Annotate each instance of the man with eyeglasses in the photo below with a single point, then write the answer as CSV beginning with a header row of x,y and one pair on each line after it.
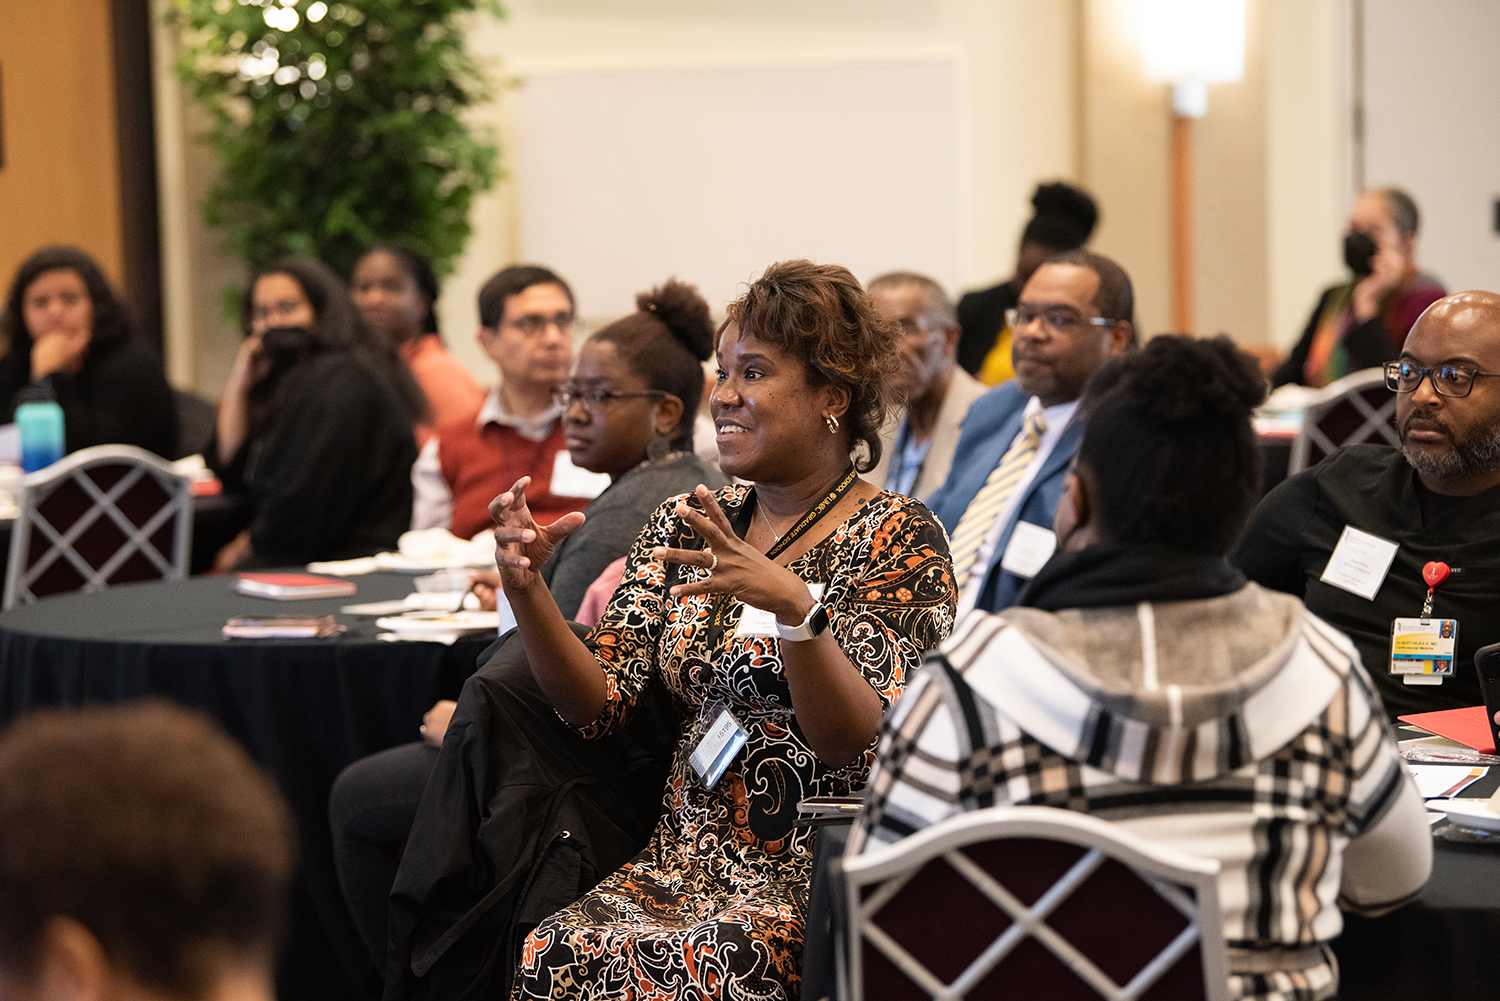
x,y
1354,535
526,328
919,446
1075,312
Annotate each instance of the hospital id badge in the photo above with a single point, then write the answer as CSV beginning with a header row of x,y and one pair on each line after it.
x,y
718,747
1422,649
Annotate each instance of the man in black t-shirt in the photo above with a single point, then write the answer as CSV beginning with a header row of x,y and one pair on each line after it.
x,y
1353,534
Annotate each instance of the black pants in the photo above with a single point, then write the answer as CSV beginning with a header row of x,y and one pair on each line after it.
x,y
371,810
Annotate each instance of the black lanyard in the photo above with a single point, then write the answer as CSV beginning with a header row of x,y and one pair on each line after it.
x,y
741,526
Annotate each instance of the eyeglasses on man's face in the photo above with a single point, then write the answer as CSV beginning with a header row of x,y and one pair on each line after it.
x,y
593,397
1447,380
1058,319
532,324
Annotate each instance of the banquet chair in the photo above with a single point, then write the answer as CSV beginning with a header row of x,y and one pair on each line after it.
x,y
1356,408
1029,902
112,514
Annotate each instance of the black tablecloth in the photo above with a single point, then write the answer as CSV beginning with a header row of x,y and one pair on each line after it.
x,y
1446,944
303,709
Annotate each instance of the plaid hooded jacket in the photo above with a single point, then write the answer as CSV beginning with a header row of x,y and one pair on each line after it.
x,y
1240,728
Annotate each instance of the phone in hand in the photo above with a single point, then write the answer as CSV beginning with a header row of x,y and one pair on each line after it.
x,y
1487,663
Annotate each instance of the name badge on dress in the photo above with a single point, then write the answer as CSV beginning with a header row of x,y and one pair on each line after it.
x,y
1031,546
759,622
718,747
569,480
1359,562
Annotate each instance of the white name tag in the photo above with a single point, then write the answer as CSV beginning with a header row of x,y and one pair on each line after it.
x,y
718,747
1031,546
1359,562
569,480
759,622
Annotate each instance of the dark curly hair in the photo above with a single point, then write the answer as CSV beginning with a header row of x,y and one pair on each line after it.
x,y
820,314
665,343
1169,445
111,322
151,828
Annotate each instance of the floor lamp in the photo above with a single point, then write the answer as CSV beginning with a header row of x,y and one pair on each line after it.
x,y
1189,44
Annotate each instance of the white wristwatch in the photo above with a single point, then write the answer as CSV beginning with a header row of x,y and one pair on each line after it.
x,y
809,628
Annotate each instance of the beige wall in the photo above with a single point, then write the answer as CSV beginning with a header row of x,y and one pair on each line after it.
x,y
1269,166
59,182
1049,90
1018,103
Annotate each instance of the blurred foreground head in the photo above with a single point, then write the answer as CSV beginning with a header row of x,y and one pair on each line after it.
x,y
142,855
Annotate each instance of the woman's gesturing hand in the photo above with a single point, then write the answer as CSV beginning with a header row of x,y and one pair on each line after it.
x,y
735,567
521,545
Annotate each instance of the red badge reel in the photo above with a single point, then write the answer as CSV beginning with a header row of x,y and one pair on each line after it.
x,y
1434,574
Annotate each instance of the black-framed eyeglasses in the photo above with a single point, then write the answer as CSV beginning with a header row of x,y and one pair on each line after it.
x,y
534,323
1059,319
1447,380
594,397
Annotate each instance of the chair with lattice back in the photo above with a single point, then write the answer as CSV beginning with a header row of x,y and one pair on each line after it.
x,y
1357,408
1029,902
112,514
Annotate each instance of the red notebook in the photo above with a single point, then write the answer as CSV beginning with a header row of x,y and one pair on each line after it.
x,y
1467,726
287,586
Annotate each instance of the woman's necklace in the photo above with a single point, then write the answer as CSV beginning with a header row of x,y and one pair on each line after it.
x,y
763,517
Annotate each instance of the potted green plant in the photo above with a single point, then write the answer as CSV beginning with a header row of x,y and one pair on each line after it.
x,y
339,124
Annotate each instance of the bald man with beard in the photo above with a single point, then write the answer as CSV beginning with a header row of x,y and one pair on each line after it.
x,y
1436,498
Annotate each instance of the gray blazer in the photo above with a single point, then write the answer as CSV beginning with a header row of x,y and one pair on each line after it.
x,y
963,390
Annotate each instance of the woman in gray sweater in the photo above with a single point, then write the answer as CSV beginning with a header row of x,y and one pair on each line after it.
x,y
627,411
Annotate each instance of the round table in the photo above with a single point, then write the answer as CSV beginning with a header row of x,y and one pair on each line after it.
x,y
304,709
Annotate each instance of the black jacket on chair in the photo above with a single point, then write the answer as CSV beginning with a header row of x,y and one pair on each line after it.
x,y
521,817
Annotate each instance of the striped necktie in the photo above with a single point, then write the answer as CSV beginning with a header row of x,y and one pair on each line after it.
x,y
974,527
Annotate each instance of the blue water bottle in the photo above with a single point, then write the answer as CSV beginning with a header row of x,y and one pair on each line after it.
x,y
40,421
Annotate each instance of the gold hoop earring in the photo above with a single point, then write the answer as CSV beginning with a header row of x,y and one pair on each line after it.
x,y
832,422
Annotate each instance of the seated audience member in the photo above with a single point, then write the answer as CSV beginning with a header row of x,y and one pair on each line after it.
x,y
68,333
1063,219
1076,312
625,413
919,448
716,604
1361,323
142,856
1142,679
315,425
526,328
394,288
1435,499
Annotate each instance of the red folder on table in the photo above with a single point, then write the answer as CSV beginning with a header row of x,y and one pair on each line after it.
x,y
1467,726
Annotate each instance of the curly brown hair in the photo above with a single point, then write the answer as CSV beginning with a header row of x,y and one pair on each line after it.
x,y
820,314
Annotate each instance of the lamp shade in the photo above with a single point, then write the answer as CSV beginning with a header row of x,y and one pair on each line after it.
x,y
1197,40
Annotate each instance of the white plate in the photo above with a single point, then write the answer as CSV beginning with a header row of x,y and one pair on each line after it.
x,y
394,607
440,622
401,563
1470,813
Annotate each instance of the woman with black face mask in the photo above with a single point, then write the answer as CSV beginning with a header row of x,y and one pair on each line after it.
x,y
1363,322
315,425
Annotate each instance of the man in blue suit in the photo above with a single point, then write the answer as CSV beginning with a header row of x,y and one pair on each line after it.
x,y
1076,311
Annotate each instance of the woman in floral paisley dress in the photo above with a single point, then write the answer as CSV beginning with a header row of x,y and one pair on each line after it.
x,y
799,605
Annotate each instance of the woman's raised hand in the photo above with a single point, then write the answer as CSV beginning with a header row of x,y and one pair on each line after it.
x,y
735,567
521,545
